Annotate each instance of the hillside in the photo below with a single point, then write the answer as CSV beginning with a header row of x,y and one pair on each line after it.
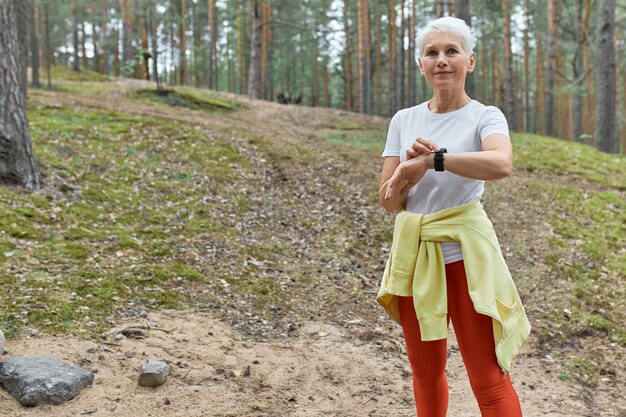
x,y
237,231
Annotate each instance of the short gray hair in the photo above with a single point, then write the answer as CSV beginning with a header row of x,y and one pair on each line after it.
x,y
451,25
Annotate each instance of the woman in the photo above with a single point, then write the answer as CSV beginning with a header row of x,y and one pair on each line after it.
x,y
445,262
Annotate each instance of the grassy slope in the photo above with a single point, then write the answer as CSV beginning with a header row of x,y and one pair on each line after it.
x,y
139,213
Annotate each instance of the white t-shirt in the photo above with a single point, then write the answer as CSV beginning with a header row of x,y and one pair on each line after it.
x,y
462,130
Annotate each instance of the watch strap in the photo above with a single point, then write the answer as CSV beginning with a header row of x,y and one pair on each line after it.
x,y
439,159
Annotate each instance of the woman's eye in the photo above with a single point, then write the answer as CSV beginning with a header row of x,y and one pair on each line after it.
x,y
452,51
431,53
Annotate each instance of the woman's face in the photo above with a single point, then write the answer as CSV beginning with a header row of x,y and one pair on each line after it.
x,y
443,61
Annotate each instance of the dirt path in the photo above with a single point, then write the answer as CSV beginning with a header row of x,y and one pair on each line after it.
x,y
320,371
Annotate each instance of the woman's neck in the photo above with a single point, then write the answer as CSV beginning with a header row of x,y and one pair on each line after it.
x,y
446,101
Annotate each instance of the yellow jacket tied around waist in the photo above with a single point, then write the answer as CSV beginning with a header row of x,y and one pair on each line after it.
x,y
416,268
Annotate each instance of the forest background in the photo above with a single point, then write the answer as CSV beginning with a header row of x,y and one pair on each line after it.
x,y
546,64
244,237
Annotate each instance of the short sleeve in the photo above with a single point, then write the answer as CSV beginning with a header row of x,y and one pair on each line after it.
x,y
493,121
392,147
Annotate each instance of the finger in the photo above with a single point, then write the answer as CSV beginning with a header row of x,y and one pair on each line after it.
x,y
412,153
421,148
429,144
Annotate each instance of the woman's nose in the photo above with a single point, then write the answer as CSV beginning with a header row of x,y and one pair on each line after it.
x,y
441,60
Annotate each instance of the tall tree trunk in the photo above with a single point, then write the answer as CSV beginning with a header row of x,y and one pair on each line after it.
x,y
378,62
197,34
127,30
549,114
48,55
254,76
364,56
116,50
484,69
540,88
462,11
402,58
144,45
152,24
265,46
508,65
34,42
212,84
96,46
578,73
74,10
315,85
526,92
605,137
439,5
268,67
183,43
348,57
326,79
589,119
17,159
193,74
393,97
412,99
83,41
103,40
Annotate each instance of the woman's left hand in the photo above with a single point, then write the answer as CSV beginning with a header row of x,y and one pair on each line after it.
x,y
406,175
421,146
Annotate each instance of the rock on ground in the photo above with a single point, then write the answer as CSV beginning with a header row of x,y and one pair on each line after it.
x,y
34,380
153,373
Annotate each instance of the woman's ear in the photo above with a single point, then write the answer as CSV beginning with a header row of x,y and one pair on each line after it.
x,y
419,64
472,62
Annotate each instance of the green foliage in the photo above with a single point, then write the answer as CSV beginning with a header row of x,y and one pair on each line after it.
x,y
187,98
564,158
62,73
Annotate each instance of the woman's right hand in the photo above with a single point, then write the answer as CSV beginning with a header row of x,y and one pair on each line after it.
x,y
405,176
421,146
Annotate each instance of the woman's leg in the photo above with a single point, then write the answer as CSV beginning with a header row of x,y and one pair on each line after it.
x,y
493,390
428,363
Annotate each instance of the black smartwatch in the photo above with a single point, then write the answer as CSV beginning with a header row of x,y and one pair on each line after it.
x,y
439,159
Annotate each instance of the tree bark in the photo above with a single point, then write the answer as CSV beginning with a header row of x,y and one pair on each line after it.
x,y
508,66
526,92
393,97
34,43
17,159
212,84
549,113
412,99
462,11
48,55
254,75
540,87
348,57
378,66
364,56
76,62
578,73
402,58
154,41
605,137
183,43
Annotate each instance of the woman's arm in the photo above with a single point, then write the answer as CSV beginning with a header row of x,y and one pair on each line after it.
x,y
397,179
493,163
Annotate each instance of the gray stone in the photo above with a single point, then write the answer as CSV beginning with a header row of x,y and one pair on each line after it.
x,y
3,342
34,380
153,373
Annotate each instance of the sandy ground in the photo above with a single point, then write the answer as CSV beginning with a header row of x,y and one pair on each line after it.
x,y
319,372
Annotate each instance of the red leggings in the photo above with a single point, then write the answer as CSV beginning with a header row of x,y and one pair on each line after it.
x,y
493,389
